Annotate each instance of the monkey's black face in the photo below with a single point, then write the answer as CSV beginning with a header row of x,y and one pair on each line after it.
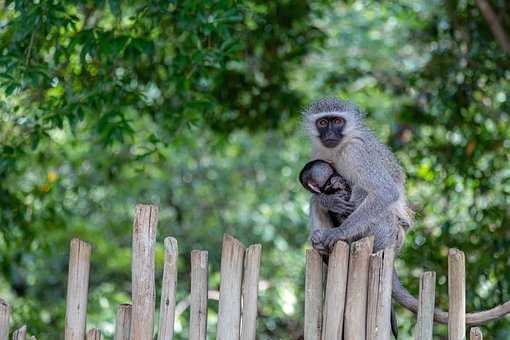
x,y
330,130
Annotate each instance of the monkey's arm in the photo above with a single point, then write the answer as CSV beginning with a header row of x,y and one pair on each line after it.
x,y
381,191
319,220
336,203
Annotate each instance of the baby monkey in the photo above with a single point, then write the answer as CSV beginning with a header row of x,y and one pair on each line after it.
x,y
319,177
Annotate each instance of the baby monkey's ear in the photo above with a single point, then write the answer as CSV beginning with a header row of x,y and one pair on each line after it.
x,y
313,187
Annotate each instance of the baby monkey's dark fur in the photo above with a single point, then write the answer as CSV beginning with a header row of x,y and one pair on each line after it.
x,y
319,177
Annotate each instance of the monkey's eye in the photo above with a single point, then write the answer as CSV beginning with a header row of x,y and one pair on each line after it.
x,y
322,123
338,121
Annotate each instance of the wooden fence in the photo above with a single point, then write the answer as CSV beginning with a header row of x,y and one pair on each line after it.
x,y
237,299
349,298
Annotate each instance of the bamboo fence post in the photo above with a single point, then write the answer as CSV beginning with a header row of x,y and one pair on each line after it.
x,y
231,275
383,321
313,295
250,291
167,304
20,333
456,295
374,275
336,286
357,286
199,288
123,322
4,319
425,316
143,290
77,289
94,334
475,334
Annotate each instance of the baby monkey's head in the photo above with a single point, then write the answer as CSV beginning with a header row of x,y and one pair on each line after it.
x,y
317,176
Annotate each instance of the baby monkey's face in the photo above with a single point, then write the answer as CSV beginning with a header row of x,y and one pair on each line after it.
x,y
335,183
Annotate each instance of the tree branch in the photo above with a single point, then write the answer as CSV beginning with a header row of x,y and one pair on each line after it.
x,y
494,24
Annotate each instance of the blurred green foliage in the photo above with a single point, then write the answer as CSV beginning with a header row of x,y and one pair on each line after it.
x,y
194,105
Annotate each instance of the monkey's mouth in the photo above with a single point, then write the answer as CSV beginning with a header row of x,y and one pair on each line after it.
x,y
330,142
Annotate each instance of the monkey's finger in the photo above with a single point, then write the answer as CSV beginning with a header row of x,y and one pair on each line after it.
x,y
331,239
341,207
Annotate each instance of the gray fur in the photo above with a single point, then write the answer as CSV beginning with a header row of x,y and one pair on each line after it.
x,y
376,178
378,194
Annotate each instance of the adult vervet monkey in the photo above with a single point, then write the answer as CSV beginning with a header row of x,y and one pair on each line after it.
x,y
339,136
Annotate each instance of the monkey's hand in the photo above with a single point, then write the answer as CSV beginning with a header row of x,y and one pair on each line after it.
x,y
330,236
315,239
336,203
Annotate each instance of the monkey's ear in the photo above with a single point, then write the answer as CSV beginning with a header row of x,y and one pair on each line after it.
x,y
312,187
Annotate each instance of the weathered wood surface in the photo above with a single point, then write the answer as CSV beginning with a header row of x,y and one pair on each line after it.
x,y
123,322
475,334
250,292
383,328
336,287
94,334
357,288
374,274
199,287
20,333
77,290
313,295
456,295
5,312
143,285
167,304
231,275
426,303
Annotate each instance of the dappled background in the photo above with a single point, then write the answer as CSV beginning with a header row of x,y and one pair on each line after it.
x,y
195,105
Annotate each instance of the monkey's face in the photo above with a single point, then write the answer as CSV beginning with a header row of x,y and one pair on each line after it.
x,y
330,129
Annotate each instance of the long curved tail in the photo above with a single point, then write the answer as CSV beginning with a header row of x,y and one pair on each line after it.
x,y
404,298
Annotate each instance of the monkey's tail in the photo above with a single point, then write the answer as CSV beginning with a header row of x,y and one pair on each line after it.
x,y
393,322
404,298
